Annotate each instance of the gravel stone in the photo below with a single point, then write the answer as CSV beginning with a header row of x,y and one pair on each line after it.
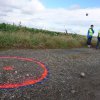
x,y
63,81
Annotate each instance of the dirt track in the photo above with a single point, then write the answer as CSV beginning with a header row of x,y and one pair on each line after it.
x,y
64,81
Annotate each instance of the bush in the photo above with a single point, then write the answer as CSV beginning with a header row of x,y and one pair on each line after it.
x,y
12,36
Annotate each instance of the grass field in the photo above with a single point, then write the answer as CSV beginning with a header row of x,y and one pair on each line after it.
x,y
12,36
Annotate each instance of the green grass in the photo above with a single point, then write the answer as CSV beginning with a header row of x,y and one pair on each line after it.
x,y
12,36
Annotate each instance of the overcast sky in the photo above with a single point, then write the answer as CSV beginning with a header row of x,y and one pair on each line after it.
x,y
56,15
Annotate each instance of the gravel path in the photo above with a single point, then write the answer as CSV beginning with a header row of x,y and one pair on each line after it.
x,y
74,74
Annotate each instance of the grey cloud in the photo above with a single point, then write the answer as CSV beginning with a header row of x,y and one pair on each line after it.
x,y
26,12
2,15
75,6
6,9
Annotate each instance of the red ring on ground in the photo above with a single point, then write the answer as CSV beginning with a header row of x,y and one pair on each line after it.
x,y
27,82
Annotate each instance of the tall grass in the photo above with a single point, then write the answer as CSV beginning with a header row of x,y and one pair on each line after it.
x,y
23,37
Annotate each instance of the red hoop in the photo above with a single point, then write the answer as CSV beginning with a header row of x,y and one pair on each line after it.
x,y
26,82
